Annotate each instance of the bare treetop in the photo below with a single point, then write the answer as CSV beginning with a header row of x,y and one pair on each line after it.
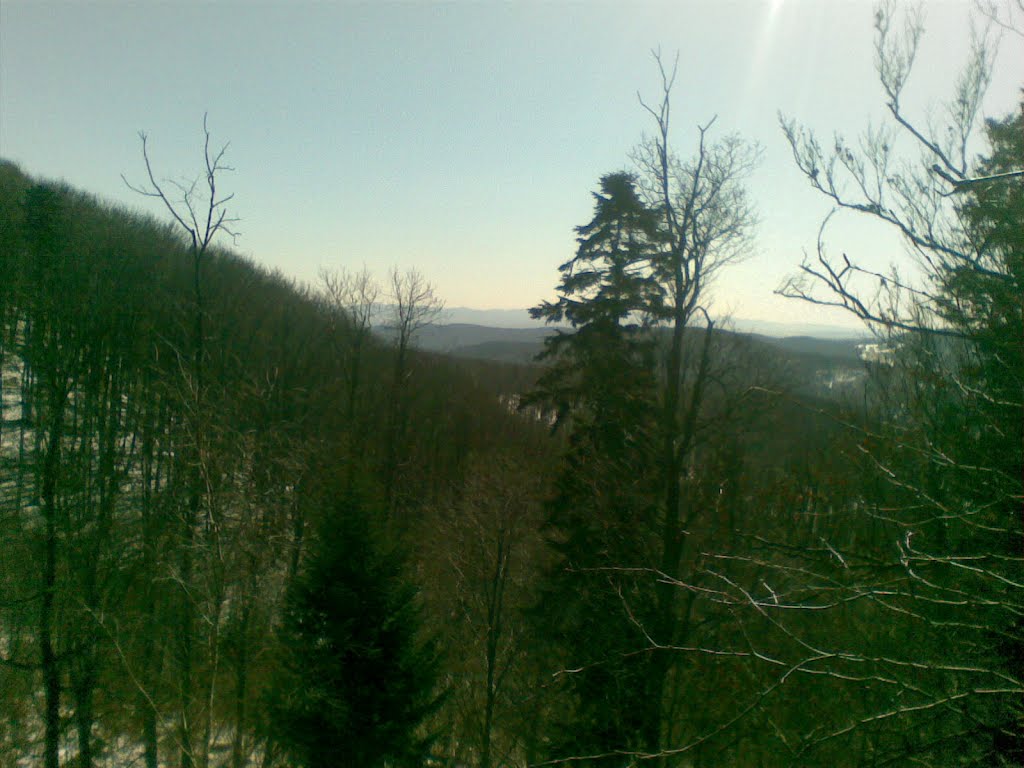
x,y
194,204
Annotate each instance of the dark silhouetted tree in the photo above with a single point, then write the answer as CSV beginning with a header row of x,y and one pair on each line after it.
x,y
414,305
600,385
357,679
200,210
633,376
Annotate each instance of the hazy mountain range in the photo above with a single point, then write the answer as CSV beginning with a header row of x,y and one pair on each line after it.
x,y
520,318
816,366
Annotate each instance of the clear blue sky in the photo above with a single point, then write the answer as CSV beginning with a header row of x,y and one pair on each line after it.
x,y
460,138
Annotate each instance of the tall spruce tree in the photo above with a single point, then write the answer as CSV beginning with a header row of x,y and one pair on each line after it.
x,y
601,386
357,679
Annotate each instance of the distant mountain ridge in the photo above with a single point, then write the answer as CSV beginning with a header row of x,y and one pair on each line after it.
x,y
520,319
453,337
819,360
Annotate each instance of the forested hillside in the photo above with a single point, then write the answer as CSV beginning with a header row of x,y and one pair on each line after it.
x,y
153,521
246,522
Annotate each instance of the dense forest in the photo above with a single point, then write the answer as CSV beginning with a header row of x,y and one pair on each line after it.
x,y
248,522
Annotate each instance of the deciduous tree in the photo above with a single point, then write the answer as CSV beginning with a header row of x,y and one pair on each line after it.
x,y
945,568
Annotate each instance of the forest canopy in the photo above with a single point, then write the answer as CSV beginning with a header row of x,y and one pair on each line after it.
x,y
251,522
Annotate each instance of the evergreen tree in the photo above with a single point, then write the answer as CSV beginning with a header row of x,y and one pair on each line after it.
x,y
600,371
985,474
601,386
356,679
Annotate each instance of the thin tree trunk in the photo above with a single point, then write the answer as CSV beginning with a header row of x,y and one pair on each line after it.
x,y
395,426
185,652
49,661
84,716
151,487
185,630
211,685
109,486
238,758
356,439
149,715
677,445
495,606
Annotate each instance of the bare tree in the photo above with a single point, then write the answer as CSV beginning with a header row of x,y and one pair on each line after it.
x,y
414,306
911,194
480,561
943,567
1008,14
201,211
353,301
707,222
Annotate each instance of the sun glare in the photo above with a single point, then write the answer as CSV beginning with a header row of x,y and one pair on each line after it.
x,y
762,47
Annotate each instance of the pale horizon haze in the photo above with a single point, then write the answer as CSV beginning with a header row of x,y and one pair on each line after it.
x,y
461,139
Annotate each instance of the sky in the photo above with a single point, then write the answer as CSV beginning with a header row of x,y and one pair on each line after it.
x,y
462,139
